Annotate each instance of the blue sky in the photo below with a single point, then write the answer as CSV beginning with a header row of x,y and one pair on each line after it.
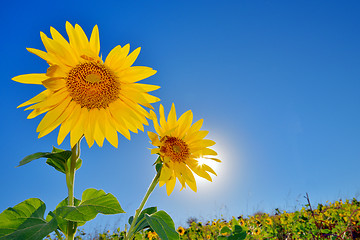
x,y
276,82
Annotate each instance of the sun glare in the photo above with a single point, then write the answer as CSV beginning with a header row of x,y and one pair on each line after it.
x,y
211,163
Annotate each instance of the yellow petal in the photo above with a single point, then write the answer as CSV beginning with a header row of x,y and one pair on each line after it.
x,y
118,110
67,125
50,59
54,84
214,159
142,98
53,100
82,37
130,59
181,179
139,111
163,122
133,74
111,133
78,130
208,151
95,40
38,98
53,115
56,71
36,112
118,124
155,151
90,126
199,171
65,44
113,57
172,120
155,121
32,78
154,138
73,39
99,136
119,58
195,136
140,87
195,128
185,121
107,128
64,115
170,185
208,169
165,174
59,51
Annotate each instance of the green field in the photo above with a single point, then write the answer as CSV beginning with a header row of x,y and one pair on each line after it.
x,y
337,220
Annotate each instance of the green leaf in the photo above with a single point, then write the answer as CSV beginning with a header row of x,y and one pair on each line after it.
x,y
26,221
222,238
93,202
238,229
225,230
163,225
57,159
78,164
141,222
32,157
63,223
238,236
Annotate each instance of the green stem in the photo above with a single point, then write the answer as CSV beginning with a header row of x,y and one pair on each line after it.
x,y
70,178
142,204
58,234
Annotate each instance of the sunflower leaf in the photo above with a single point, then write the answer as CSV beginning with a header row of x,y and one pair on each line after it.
x,y
57,159
32,157
237,236
163,225
63,223
141,222
26,221
93,202
225,230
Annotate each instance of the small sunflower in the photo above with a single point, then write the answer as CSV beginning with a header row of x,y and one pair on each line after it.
x,y
256,231
242,222
152,235
85,95
180,146
181,230
268,221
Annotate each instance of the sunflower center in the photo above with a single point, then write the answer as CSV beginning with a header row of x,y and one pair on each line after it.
x,y
175,148
92,85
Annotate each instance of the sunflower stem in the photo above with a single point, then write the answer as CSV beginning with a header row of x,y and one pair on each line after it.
x,y
70,178
151,188
58,234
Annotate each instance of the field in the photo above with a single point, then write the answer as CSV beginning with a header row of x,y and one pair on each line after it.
x,y
337,220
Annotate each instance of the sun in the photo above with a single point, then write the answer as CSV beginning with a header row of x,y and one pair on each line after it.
x,y
216,166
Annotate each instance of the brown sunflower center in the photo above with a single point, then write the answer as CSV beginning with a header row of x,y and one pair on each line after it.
x,y
92,85
175,148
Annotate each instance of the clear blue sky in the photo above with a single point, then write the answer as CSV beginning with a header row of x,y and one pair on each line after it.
x,y
277,83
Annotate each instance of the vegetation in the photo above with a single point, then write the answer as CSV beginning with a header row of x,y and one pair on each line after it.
x,y
338,220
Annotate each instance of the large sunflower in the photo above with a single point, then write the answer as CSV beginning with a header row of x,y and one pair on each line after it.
x,y
180,146
85,95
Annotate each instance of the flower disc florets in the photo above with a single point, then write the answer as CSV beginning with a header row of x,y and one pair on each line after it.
x,y
92,85
174,148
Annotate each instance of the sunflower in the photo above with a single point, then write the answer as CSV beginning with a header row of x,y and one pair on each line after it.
x,y
268,221
180,146
85,95
181,230
152,235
